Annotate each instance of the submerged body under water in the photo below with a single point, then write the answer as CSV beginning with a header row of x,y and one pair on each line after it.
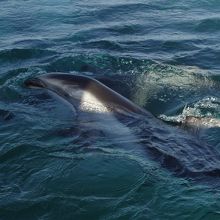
x,y
164,56
113,117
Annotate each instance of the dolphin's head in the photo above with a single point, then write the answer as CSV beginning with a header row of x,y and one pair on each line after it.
x,y
66,85
57,80
35,82
59,83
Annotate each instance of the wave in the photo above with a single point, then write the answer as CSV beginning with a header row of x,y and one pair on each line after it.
x,y
208,25
23,54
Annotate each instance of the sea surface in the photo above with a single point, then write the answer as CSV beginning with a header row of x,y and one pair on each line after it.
x,y
162,55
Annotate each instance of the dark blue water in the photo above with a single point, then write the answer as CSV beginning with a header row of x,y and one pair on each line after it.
x,y
163,55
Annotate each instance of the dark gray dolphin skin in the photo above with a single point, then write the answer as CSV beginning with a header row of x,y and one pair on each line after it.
x,y
174,148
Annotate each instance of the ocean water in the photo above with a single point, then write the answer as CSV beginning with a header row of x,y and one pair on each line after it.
x,y
162,55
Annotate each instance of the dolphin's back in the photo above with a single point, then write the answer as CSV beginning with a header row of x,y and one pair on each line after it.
x,y
89,86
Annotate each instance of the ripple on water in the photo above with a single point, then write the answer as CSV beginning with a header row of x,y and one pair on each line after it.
x,y
118,40
22,54
208,25
94,175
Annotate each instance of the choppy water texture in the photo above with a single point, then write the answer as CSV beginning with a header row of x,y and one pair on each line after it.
x,y
163,55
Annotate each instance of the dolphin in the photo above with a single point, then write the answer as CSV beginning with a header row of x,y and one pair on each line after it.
x,y
172,147
88,95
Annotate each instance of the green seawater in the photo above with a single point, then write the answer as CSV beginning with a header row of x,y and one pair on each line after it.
x,y
162,55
